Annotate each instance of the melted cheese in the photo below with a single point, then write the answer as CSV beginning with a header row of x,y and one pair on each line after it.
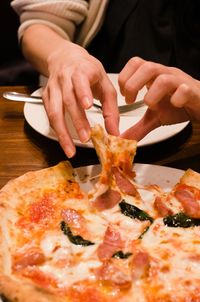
x,y
56,247
148,198
98,190
175,258
129,228
96,226
54,241
67,275
174,204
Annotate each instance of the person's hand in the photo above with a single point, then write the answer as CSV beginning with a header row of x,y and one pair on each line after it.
x,y
75,77
172,95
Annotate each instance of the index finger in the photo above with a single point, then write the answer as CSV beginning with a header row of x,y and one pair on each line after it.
x,y
55,111
109,105
129,69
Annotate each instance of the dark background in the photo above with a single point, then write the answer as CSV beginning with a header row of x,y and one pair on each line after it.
x,y
14,70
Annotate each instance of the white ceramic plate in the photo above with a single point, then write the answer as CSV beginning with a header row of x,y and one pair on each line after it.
x,y
36,117
146,174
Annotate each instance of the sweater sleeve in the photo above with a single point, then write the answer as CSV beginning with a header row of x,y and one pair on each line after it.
x,y
63,16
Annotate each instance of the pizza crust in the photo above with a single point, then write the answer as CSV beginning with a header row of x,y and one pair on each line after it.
x,y
41,179
21,291
191,178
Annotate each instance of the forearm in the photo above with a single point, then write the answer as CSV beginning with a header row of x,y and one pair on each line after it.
x,y
74,79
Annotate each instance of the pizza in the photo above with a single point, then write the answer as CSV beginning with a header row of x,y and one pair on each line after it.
x,y
119,242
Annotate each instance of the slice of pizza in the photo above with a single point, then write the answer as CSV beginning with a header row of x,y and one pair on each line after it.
x,y
116,194
113,152
117,176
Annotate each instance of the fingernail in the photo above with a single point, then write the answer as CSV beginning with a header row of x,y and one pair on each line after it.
x,y
87,102
70,151
84,135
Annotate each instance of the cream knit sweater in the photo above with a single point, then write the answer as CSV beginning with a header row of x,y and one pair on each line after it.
x,y
75,20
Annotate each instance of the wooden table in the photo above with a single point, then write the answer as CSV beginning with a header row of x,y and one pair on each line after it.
x,y
22,149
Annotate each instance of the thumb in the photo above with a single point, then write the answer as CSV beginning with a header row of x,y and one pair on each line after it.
x,y
146,124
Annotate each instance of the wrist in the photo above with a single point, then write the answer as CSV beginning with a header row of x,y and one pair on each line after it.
x,y
65,52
